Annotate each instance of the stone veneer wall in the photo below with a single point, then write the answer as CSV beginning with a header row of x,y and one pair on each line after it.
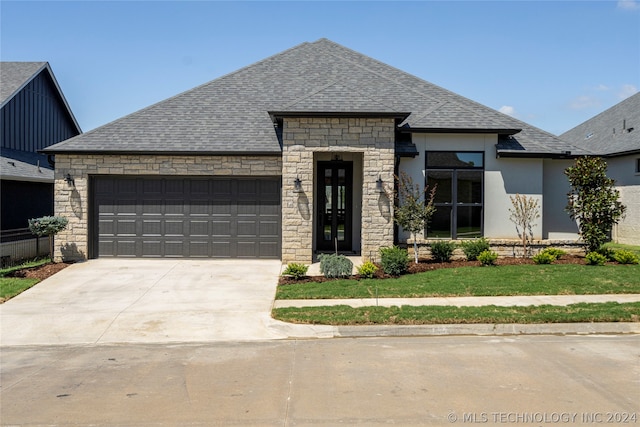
x,y
72,203
302,137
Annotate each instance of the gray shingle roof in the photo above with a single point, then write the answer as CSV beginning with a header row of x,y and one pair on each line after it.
x,y
14,75
25,166
231,114
615,131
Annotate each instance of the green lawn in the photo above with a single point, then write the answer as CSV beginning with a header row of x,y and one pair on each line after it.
x,y
409,315
12,286
555,279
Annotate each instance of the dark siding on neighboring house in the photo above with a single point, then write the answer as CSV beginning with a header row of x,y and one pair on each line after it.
x,y
37,195
36,117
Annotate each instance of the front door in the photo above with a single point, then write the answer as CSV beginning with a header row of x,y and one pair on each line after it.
x,y
335,180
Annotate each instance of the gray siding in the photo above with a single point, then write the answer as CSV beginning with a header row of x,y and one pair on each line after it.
x,y
36,117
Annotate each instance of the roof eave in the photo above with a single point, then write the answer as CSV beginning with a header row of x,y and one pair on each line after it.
x,y
499,131
159,153
340,114
523,154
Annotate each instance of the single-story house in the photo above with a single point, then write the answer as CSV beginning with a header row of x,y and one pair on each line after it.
x,y
614,135
33,115
295,155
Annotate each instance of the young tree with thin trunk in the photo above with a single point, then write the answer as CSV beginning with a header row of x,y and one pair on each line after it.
x,y
415,208
525,211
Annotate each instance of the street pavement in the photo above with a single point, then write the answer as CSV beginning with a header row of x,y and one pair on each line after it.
x,y
440,381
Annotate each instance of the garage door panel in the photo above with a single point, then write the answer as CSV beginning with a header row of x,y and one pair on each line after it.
x,y
186,217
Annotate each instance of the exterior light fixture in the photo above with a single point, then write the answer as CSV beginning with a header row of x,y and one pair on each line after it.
x,y
297,185
70,182
380,185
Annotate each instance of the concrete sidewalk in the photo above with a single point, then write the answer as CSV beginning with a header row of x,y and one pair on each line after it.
x,y
502,301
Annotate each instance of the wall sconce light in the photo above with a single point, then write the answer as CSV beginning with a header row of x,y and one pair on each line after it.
x,y
380,185
70,182
297,185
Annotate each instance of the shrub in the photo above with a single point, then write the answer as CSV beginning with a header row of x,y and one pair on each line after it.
x,y
442,251
608,253
394,260
626,257
48,226
333,265
544,257
555,252
473,248
488,258
594,258
525,211
367,270
297,271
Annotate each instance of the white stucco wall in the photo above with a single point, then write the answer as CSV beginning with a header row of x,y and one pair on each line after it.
x,y
557,222
623,171
503,178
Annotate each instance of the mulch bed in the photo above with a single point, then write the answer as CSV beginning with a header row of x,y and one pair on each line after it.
x,y
41,272
429,265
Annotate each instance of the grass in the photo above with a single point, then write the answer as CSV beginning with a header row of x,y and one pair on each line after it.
x,y
555,279
618,246
12,286
424,315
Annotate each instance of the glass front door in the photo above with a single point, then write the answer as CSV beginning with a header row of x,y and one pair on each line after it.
x,y
334,205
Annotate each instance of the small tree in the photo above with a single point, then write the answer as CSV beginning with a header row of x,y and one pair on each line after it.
x,y
593,200
415,208
525,211
48,226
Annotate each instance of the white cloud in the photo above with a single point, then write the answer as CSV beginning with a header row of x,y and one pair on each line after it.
x,y
584,101
626,91
628,4
508,110
602,87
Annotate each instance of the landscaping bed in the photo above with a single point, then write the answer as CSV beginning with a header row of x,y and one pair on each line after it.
x,y
425,265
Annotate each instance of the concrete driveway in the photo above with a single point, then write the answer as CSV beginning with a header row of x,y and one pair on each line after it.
x,y
145,301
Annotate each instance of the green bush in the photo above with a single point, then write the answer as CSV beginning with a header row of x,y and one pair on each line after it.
x,y
626,257
47,225
554,252
367,270
297,271
608,253
473,248
595,258
488,258
394,260
544,257
333,265
442,251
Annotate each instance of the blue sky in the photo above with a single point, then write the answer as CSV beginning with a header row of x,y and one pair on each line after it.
x,y
553,64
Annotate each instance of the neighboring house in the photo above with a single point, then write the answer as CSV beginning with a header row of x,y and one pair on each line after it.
x,y
33,115
615,135
296,154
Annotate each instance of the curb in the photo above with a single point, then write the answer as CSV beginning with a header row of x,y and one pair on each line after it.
x,y
294,331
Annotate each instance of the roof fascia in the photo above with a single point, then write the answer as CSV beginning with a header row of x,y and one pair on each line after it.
x,y
64,100
339,114
162,153
460,130
535,155
26,82
47,67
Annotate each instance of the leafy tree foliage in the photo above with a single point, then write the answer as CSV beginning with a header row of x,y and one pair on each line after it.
x,y
415,208
48,226
593,200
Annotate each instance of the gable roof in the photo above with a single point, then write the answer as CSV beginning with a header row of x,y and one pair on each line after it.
x,y
18,165
235,113
16,75
613,132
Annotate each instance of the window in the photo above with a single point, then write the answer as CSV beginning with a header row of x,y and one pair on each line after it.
x,y
638,165
459,198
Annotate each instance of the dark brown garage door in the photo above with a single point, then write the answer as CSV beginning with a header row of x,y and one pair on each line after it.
x,y
186,217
